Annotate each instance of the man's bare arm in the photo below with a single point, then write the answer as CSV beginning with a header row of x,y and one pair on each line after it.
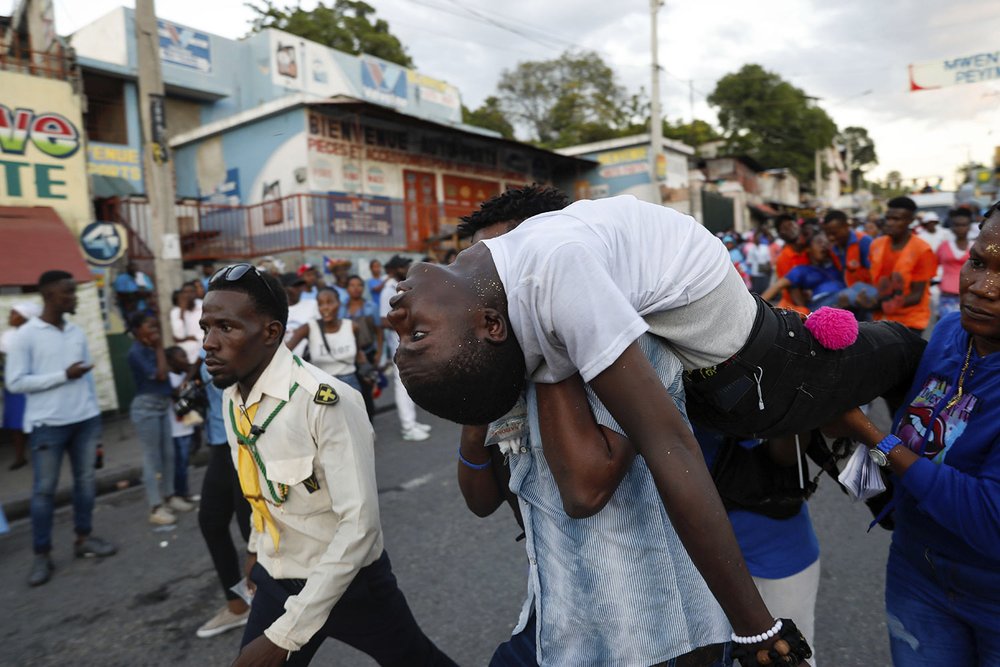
x,y
636,398
588,461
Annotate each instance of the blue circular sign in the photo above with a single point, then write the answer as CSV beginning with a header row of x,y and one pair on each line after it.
x,y
103,242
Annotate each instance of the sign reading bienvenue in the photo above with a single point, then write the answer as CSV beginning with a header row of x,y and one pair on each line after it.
x,y
955,71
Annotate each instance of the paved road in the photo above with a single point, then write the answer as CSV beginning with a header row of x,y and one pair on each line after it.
x,y
464,576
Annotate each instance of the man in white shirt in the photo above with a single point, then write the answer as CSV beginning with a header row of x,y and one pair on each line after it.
x,y
300,311
575,289
410,428
50,362
304,451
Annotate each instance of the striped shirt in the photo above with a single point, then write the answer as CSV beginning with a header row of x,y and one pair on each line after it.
x,y
617,588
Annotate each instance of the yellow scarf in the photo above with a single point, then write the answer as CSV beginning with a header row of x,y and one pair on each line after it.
x,y
250,479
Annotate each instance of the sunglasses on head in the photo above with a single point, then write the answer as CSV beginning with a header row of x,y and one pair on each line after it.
x,y
234,272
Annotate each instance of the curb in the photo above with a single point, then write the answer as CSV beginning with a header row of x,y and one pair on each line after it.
x,y
109,481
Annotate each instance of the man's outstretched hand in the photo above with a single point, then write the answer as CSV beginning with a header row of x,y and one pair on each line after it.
x,y
261,652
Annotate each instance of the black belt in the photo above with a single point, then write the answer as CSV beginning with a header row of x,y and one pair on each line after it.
x,y
745,362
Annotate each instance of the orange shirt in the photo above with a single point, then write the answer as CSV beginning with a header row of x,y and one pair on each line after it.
x,y
892,273
787,260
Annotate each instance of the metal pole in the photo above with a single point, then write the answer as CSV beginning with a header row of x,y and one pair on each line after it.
x,y
164,237
655,122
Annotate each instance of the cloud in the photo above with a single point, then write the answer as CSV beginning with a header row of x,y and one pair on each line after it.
x,y
834,51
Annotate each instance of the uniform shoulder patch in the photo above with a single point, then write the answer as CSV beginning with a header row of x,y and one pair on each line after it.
x,y
326,395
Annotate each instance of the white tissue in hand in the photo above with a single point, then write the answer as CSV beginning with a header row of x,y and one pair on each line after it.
x,y
861,476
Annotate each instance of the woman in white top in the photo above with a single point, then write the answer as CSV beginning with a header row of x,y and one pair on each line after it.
x,y
184,322
333,347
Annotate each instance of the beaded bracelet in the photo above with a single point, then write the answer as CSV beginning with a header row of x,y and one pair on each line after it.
x,y
789,650
470,464
756,639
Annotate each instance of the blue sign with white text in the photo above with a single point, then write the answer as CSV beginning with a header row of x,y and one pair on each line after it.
x,y
183,46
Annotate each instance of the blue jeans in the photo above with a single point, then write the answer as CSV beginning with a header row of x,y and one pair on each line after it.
x,y
153,415
520,651
941,612
351,380
182,455
48,443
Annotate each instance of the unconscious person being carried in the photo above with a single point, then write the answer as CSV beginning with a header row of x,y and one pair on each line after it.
x,y
575,289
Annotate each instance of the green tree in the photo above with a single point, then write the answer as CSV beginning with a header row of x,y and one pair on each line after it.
x,y
347,26
490,116
763,116
694,134
861,149
572,99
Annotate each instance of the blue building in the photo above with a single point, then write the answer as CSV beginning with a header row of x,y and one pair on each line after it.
x,y
282,145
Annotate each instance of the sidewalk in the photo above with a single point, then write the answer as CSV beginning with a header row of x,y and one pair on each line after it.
x,y
122,464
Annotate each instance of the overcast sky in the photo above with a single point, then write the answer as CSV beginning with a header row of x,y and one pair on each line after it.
x,y
852,54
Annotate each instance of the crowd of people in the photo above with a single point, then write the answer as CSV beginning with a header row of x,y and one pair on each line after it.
x,y
644,396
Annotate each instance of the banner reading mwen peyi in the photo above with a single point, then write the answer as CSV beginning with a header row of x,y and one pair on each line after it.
x,y
976,68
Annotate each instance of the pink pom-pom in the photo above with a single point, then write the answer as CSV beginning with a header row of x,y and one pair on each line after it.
x,y
834,328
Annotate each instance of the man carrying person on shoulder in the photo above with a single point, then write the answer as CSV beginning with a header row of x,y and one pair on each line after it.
x,y
304,452
850,250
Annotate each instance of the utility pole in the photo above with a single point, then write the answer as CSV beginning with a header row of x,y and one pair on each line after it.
x,y
164,238
655,123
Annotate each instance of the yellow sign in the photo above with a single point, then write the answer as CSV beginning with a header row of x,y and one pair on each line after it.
x,y
623,155
40,147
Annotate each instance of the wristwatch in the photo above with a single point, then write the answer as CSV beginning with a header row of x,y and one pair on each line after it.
x,y
880,452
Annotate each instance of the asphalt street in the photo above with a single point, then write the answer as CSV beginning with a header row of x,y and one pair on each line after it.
x,y
464,577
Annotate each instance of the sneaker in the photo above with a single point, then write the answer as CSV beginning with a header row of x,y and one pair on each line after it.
x,y
223,621
94,547
415,435
422,427
161,516
41,570
179,504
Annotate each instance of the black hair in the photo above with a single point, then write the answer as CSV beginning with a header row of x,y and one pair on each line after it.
x,y
782,218
55,276
175,296
265,292
904,203
327,288
960,212
354,276
136,320
478,385
174,349
371,263
516,204
835,215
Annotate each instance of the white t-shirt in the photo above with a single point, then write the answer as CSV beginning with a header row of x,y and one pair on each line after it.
x,y
579,282
304,311
178,429
343,349
185,324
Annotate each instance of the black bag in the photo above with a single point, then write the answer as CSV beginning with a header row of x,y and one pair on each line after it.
x,y
748,479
